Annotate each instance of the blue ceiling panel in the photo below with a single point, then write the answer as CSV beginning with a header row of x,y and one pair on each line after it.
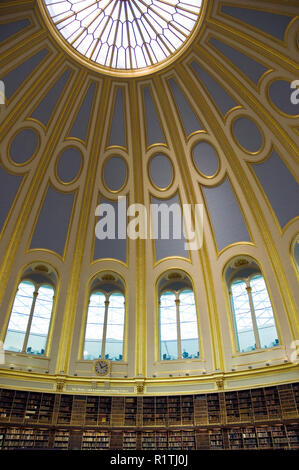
x,y
189,119
9,29
53,223
280,187
270,23
226,217
250,67
153,127
221,98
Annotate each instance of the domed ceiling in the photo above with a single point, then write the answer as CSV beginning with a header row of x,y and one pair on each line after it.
x,y
209,118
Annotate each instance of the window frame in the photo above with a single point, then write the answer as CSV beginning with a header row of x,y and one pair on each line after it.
x,y
177,293
247,279
37,286
104,336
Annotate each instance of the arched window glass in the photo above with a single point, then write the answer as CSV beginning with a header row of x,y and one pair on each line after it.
x,y
30,319
263,313
178,325
115,327
253,315
94,326
104,334
242,316
168,326
188,325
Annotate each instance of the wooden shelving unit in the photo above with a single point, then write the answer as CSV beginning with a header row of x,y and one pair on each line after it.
x,y
174,411
129,440
24,438
161,411
264,418
149,411
2,436
95,440
216,439
130,411
61,439
148,440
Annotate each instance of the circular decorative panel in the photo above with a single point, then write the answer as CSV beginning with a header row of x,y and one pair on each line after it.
x,y
125,34
248,135
285,96
161,171
69,165
115,173
23,146
205,159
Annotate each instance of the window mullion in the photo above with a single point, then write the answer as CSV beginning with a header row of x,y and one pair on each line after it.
x,y
105,328
177,303
255,328
35,294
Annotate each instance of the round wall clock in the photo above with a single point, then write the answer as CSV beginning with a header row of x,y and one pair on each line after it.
x,y
101,367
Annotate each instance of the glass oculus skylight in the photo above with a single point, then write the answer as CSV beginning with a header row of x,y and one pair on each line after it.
x,y
125,34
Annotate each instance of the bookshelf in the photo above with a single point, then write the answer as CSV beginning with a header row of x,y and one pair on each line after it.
x,y
104,410
232,407
296,395
287,401
264,418
213,408
149,441
33,407
61,439
174,410
259,405
245,406
78,410
149,411
240,407
116,440
216,439
2,436
161,440
25,438
130,411
161,411
175,440
292,432
187,410
91,411
19,406
264,437
95,440
277,436
249,438
65,409
188,440
117,411
235,439
200,410
129,440
6,401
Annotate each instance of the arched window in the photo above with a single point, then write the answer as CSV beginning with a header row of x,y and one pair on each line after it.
x,y
251,307
104,333
31,313
177,318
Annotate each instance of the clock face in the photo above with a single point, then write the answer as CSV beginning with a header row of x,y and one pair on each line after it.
x,y
101,367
